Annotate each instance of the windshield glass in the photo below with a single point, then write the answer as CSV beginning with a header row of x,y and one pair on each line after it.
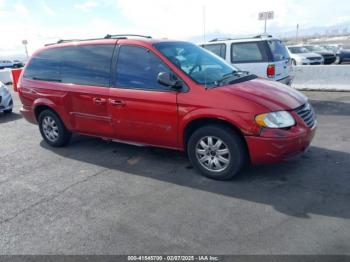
x,y
315,48
298,50
199,64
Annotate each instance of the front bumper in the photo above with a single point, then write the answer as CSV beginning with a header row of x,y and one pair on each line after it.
x,y
284,144
6,102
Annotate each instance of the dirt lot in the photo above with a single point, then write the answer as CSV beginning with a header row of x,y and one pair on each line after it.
x,y
96,197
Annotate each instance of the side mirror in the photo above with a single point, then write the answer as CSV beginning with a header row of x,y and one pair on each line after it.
x,y
166,79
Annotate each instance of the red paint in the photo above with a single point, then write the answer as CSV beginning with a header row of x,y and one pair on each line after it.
x,y
160,118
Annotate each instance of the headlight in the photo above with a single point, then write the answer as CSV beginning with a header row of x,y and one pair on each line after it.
x,y
279,119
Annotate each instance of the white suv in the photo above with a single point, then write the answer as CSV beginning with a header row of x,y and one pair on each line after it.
x,y
264,56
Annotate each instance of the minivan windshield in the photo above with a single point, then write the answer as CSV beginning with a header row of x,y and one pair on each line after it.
x,y
199,64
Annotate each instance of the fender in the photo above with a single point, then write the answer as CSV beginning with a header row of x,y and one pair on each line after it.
x,y
49,103
241,120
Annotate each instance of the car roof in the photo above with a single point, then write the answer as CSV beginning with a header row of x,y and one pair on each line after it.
x,y
145,41
244,39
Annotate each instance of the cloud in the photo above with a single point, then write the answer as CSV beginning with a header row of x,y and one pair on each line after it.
x,y
86,5
48,10
21,10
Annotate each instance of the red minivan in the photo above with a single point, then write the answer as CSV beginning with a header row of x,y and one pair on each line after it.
x,y
164,93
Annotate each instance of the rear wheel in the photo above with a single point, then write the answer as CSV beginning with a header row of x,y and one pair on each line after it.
x,y
217,152
52,129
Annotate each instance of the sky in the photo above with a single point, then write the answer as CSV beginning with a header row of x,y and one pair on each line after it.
x,y
46,21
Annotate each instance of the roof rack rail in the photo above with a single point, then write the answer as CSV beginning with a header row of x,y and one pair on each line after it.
x,y
262,36
121,36
220,39
124,36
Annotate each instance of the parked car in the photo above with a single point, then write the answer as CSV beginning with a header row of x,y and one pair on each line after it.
x,y
264,56
6,64
18,64
301,56
328,56
164,93
342,55
6,102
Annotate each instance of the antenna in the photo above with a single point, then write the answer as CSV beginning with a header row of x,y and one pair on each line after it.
x,y
204,18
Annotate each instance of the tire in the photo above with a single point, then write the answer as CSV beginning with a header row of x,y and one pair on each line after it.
x,y
8,111
230,140
294,63
53,130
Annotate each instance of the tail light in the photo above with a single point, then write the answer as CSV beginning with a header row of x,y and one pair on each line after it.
x,y
271,71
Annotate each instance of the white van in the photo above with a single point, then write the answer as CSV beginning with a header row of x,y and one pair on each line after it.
x,y
264,56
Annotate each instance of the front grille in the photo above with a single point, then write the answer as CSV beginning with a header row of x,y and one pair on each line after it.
x,y
314,58
307,113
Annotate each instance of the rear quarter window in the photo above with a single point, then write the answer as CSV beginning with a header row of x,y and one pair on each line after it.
x,y
248,52
82,64
44,66
218,49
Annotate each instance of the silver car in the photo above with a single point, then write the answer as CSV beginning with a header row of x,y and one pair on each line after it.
x,y
6,102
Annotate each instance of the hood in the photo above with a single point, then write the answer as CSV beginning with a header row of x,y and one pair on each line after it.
x,y
325,53
307,55
272,95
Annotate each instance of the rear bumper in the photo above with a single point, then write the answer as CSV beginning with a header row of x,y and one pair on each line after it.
x,y
286,80
266,150
28,114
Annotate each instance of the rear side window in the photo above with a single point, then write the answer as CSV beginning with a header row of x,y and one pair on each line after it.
x,y
87,64
218,49
44,66
138,68
278,50
82,65
248,52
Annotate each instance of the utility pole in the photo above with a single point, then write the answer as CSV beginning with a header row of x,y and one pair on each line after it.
x,y
297,34
25,42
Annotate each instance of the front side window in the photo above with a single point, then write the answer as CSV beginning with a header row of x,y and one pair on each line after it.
x,y
246,52
199,64
138,67
218,49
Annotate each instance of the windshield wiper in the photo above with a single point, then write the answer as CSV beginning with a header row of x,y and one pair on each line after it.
x,y
233,74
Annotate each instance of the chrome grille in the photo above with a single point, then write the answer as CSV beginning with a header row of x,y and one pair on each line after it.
x,y
307,113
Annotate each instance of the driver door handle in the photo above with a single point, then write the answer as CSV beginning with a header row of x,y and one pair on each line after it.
x,y
118,103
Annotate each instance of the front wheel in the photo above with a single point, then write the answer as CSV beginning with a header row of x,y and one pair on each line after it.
x,y
217,152
52,129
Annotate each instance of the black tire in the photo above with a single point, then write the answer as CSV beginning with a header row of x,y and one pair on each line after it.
x,y
61,135
8,111
231,140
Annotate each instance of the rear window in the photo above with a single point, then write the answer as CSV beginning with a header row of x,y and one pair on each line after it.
x,y
248,52
84,65
218,49
278,50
